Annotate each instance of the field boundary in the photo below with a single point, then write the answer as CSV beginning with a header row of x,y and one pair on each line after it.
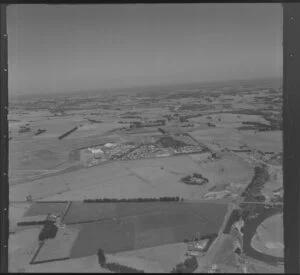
x,y
52,260
36,252
66,210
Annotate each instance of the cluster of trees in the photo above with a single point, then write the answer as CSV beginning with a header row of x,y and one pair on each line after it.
x,y
68,133
48,231
277,199
195,179
253,191
251,125
40,131
131,117
24,129
211,124
162,130
183,119
245,128
194,107
94,120
138,124
115,267
188,266
234,217
275,122
251,211
188,125
159,199
169,142
31,223
211,236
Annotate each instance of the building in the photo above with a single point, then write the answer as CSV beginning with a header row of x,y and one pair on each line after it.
x,y
109,145
96,152
196,247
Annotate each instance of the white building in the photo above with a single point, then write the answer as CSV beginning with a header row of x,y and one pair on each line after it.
x,y
109,145
96,151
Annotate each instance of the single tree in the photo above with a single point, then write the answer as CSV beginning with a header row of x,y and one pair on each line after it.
x,y
101,257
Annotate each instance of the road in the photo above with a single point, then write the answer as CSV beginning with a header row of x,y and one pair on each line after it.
x,y
205,261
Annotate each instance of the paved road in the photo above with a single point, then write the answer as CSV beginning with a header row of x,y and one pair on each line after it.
x,y
206,260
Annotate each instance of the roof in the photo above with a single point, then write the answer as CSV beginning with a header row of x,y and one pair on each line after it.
x,y
110,145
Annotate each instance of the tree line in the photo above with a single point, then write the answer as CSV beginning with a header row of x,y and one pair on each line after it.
x,y
188,266
48,231
159,199
115,267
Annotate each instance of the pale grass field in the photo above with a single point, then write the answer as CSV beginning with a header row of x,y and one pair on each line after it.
x,y
229,118
136,178
80,265
21,248
156,259
59,247
269,236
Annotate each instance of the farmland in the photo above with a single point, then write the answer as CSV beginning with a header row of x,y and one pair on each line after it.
x,y
147,177
144,225
45,208
198,135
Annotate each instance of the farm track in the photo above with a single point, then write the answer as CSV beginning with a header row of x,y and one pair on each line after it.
x,y
200,143
45,175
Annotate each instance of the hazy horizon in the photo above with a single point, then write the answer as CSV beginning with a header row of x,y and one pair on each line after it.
x,y
68,48
262,82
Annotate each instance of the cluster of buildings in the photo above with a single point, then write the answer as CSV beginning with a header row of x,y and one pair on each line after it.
x,y
119,151
196,248
151,150
147,151
24,128
188,149
106,152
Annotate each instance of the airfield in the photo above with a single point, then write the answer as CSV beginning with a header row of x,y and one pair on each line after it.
x,y
128,149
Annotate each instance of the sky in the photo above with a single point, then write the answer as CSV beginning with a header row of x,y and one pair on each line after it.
x,y
65,48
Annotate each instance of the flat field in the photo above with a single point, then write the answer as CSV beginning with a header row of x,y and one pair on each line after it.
x,y
89,212
135,178
141,225
162,257
52,249
223,137
44,208
264,141
16,212
21,248
227,118
269,236
32,156
81,265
